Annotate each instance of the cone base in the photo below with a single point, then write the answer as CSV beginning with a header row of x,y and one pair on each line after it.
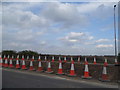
x,y
89,77
32,70
60,73
49,71
23,68
100,79
65,61
11,67
6,66
72,75
40,70
17,68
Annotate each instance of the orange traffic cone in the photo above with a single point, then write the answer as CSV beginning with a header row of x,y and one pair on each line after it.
x,y
39,65
49,68
31,64
94,61
6,62
104,74
11,63
23,63
78,59
105,63
65,60
53,59
86,71
1,61
17,62
72,71
60,70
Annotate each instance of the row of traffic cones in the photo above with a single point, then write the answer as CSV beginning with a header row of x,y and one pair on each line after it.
x,y
17,66
65,60
86,71
46,60
60,70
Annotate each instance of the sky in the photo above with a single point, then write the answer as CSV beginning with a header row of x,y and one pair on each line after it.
x,y
84,28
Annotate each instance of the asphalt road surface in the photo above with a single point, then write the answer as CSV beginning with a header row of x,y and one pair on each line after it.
x,y
11,79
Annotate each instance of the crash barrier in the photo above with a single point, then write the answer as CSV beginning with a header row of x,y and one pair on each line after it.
x,y
86,70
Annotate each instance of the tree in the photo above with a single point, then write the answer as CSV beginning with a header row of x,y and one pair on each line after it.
x,y
8,52
28,53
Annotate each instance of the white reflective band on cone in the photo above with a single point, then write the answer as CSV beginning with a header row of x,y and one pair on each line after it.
x,y
53,57
85,59
86,68
12,56
78,58
8,56
23,56
116,60
6,61
17,56
94,59
39,57
72,66
27,57
59,58
17,62
49,66
71,58
64,58
104,70
60,65
105,60
39,65
10,61
32,57
23,63
31,63
45,58
4,56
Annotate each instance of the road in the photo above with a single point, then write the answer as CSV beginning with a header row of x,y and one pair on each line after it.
x,y
14,79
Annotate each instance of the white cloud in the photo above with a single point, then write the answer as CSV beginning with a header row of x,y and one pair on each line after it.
x,y
76,37
90,37
102,40
72,40
104,46
75,34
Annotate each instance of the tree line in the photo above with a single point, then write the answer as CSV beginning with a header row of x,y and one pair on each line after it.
x,y
20,53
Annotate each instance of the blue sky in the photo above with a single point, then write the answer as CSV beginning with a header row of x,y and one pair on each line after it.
x,y
84,28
